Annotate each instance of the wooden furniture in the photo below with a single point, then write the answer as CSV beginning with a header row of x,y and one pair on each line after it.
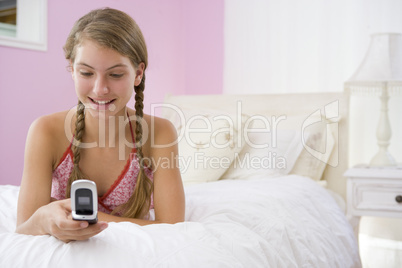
x,y
373,191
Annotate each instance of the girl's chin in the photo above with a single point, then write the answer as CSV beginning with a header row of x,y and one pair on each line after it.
x,y
101,113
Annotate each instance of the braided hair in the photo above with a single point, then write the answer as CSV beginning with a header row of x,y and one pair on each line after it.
x,y
144,186
76,173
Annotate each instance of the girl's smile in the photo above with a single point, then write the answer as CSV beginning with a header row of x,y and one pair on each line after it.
x,y
102,104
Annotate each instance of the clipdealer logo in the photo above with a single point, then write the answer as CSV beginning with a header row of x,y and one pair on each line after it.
x,y
236,129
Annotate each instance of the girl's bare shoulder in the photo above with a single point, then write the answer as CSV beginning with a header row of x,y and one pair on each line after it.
x,y
155,123
54,124
163,131
53,131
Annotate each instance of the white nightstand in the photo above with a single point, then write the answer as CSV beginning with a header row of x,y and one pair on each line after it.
x,y
373,192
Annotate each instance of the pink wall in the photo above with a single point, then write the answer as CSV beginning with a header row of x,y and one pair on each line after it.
x,y
203,32
185,43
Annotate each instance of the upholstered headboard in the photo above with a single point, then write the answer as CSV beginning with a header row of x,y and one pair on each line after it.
x,y
301,111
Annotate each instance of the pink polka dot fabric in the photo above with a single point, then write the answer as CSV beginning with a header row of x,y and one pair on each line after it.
x,y
118,194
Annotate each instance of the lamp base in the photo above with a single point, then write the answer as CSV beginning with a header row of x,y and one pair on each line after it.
x,y
382,158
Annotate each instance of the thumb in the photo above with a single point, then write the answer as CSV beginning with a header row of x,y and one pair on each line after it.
x,y
66,204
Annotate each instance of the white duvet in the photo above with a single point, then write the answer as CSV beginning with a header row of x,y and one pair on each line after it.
x,y
277,222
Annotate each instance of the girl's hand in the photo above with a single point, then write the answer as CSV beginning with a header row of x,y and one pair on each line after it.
x,y
55,219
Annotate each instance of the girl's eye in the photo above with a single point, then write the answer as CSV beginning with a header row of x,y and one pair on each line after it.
x,y
116,75
87,74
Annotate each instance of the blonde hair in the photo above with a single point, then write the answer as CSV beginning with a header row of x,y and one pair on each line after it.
x,y
113,29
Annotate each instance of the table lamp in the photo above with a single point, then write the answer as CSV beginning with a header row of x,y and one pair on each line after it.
x,y
380,74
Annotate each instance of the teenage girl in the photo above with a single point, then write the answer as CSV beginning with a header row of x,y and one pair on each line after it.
x,y
104,141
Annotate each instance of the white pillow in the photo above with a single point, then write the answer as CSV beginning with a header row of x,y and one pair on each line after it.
x,y
316,136
208,143
266,154
317,151
305,144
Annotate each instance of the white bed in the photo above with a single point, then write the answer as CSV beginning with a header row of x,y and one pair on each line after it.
x,y
235,217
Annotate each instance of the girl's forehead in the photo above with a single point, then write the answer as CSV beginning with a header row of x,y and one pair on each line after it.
x,y
91,47
90,50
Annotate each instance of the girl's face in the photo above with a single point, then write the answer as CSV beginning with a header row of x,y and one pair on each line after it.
x,y
104,79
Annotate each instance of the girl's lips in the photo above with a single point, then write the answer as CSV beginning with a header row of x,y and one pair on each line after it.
x,y
101,104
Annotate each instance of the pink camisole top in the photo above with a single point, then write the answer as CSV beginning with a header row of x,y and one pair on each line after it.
x,y
120,191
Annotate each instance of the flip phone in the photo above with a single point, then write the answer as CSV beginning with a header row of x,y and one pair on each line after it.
x,y
84,201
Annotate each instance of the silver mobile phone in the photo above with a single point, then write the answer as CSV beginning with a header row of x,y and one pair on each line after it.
x,y
84,201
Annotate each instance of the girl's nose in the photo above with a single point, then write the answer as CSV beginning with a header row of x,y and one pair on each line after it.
x,y
101,87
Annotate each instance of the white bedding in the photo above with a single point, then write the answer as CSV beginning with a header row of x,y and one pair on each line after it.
x,y
286,221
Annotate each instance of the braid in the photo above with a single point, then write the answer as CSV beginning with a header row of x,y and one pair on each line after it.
x,y
139,202
139,107
76,173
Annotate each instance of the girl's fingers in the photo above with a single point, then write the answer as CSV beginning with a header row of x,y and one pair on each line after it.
x,y
92,230
66,229
83,234
66,204
71,225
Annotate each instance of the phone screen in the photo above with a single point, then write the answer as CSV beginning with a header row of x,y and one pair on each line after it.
x,y
83,201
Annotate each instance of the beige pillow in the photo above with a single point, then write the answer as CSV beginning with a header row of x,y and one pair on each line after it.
x,y
316,152
209,140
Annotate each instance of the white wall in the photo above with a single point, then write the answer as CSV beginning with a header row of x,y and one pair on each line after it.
x,y
300,45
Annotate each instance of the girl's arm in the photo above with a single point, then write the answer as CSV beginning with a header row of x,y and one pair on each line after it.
x,y
169,200
36,179
112,218
36,214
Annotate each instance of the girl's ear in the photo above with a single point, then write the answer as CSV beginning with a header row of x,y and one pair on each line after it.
x,y
139,73
71,69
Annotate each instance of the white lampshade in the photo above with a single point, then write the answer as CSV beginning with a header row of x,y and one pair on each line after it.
x,y
383,61
380,73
